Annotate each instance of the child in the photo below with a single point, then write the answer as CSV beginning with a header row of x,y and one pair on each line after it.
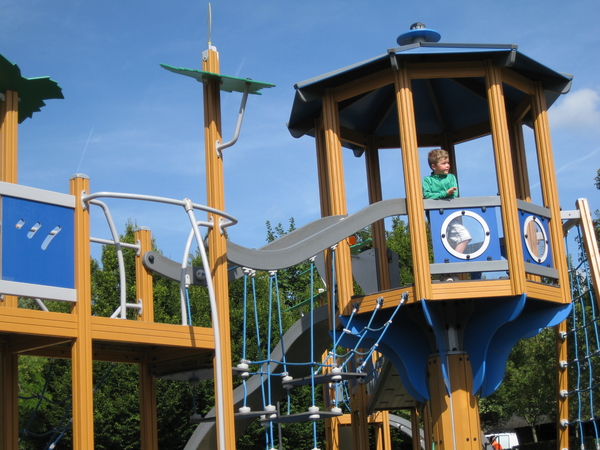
x,y
442,184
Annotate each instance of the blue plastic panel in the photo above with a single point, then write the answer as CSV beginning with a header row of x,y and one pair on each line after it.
x,y
37,243
534,230
491,252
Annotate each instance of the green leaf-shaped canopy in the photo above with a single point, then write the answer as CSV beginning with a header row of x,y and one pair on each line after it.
x,y
32,91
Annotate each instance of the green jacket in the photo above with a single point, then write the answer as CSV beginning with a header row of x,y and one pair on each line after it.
x,y
436,186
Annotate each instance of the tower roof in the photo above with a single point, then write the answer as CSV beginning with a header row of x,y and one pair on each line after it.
x,y
441,104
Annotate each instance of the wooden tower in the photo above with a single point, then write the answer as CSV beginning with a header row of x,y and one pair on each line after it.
x,y
422,94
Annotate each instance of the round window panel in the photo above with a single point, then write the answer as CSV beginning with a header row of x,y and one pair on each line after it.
x,y
465,234
536,240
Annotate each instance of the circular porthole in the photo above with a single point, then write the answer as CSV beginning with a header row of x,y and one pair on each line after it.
x,y
536,239
465,234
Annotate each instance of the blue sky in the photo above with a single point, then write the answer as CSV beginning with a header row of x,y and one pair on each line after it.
x,y
132,126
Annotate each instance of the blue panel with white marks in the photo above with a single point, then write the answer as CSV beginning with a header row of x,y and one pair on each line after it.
x,y
465,234
37,243
535,239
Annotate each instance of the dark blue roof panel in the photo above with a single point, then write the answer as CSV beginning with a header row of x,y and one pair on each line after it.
x,y
440,104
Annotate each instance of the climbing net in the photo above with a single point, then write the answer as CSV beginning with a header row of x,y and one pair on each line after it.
x,y
280,370
584,353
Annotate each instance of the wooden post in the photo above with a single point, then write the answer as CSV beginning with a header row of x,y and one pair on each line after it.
x,y
549,188
9,126
455,416
145,296
590,244
337,193
562,385
9,376
415,429
378,228
412,182
217,242
143,277
83,400
506,179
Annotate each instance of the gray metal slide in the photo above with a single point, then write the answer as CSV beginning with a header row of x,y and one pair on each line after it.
x,y
313,238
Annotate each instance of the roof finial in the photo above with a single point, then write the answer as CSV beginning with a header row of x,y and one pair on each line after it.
x,y
418,33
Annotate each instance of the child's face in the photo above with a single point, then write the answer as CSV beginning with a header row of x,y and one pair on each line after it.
x,y
442,167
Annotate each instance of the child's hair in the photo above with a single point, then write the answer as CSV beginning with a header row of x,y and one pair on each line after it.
x,y
434,156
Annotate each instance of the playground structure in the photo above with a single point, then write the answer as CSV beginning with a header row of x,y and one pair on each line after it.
x,y
420,94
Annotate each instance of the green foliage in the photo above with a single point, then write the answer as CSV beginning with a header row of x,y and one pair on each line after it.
x,y
528,388
398,240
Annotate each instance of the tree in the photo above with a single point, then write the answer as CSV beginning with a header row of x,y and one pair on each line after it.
x,y
528,388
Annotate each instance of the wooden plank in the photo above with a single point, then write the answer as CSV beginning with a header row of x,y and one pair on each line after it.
x,y
38,323
27,343
361,85
432,70
454,290
118,330
517,81
541,291
391,298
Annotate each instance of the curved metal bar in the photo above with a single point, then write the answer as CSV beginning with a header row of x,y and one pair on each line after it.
x,y
119,249
238,125
299,247
215,325
151,198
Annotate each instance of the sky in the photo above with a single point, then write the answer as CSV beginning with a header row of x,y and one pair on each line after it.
x,y
133,127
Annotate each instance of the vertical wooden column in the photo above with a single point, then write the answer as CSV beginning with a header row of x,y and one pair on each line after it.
x,y
143,277
378,228
415,429
145,296
9,406
590,245
412,182
217,242
543,141
322,169
506,183
519,159
427,425
9,126
9,362
455,416
562,385
337,195
83,400
9,154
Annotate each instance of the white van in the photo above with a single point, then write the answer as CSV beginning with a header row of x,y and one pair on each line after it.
x,y
506,440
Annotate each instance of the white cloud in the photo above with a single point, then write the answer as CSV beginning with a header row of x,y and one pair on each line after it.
x,y
580,111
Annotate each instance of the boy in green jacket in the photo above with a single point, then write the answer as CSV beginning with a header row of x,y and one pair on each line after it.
x,y
442,184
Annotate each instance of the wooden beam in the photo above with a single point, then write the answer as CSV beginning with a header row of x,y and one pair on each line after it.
x,y
361,85
28,343
506,179
549,187
412,182
468,69
138,333
83,400
518,81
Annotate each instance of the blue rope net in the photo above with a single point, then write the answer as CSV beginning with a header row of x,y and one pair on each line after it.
x,y
333,369
583,349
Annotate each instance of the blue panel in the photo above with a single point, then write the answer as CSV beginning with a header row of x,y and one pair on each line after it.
x,y
37,243
544,236
487,214
405,344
